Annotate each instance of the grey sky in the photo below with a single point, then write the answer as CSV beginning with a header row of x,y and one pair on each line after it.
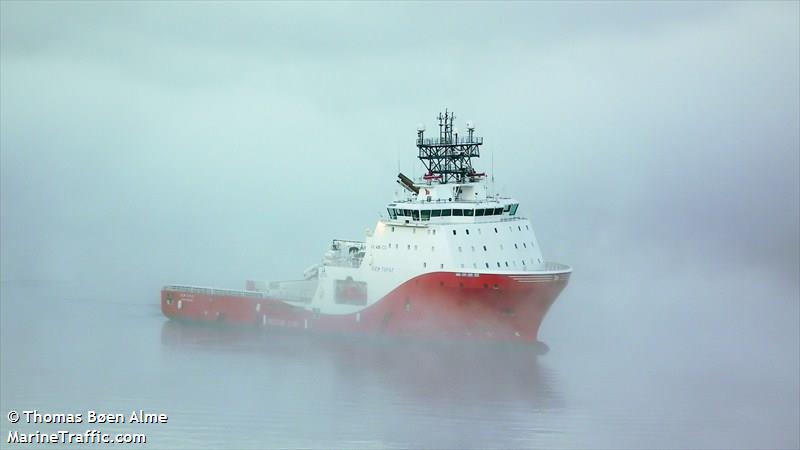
x,y
136,136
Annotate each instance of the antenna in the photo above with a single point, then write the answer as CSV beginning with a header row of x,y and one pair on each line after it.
x,y
493,189
448,158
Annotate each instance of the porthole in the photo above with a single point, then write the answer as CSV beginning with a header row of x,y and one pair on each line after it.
x,y
424,264
467,230
498,263
525,245
441,266
519,227
459,249
516,246
495,230
506,263
527,227
433,248
473,248
409,246
454,232
484,248
487,265
392,229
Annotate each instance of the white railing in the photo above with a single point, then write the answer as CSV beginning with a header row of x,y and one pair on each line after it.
x,y
213,291
556,267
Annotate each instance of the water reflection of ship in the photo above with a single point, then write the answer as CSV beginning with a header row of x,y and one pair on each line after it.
x,y
438,372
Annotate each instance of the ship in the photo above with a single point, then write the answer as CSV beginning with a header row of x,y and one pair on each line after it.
x,y
449,260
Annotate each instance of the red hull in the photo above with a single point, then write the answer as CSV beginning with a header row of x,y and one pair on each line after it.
x,y
435,305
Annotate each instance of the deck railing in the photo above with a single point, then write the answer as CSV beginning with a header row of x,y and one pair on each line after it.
x,y
213,291
455,140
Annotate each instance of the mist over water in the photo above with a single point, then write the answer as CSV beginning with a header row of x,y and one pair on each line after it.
x,y
655,148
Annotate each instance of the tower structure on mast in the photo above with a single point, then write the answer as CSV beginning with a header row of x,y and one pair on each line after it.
x,y
448,158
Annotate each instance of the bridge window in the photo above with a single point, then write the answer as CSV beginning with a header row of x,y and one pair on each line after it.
x,y
415,214
507,208
478,212
436,213
445,212
392,214
513,209
469,212
426,214
458,212
498,211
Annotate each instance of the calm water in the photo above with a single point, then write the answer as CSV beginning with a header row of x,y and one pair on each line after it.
x,y
66,351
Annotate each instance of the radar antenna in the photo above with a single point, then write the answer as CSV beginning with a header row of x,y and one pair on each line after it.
x,y
448,158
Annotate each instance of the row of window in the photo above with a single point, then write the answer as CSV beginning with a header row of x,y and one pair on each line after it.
x,y
433,230
433,248
427,214
475,265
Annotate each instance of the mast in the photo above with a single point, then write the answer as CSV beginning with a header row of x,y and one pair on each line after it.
x,y
448,158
